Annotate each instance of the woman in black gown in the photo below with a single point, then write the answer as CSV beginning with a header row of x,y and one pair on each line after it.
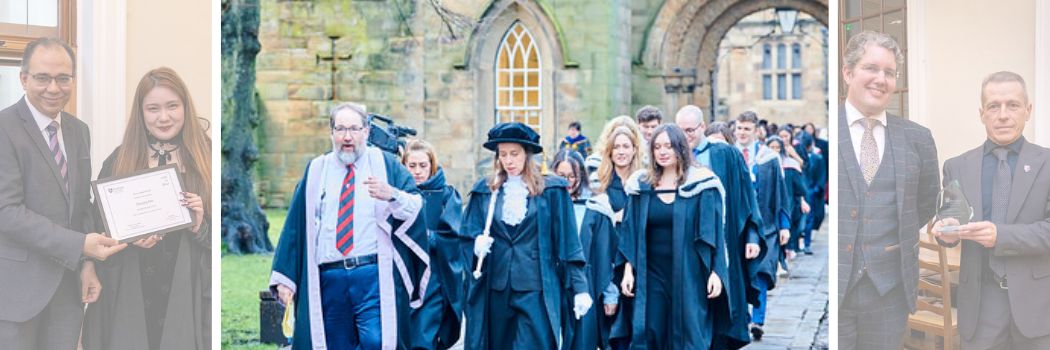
x,y
157,294
672,247
439,320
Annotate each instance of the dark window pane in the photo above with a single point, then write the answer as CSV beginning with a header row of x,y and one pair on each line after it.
x,y
767,87
767,59
796,56
781,86
781,56
796,86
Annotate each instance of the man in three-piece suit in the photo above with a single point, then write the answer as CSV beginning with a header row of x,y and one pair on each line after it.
x,y
45,170
888,185
1004,279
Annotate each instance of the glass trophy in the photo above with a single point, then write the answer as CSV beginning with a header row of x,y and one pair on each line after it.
x,y
954,206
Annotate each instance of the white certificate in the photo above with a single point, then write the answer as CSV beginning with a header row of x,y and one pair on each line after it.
x,y
144,203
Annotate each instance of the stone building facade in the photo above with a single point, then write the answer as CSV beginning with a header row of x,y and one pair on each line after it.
x,y
781,77
439,66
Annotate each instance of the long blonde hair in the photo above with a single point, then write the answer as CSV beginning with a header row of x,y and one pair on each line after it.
x,y
607,167
530,174
613,124
194,153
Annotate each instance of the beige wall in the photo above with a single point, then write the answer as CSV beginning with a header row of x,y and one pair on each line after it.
x,y
176,34
966,40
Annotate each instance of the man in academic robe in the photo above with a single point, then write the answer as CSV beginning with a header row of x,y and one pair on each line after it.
x,y
741,226
352,256
773,203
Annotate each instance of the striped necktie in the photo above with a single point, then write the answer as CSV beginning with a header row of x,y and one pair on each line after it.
x,y
56,151
344,239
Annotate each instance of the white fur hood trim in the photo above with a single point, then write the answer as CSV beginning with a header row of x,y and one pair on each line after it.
x,y
600,204
698,178
766,155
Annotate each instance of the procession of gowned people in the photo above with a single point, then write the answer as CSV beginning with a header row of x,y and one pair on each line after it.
x,y
661,235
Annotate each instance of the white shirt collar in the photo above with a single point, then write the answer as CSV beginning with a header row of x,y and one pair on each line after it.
x,y
853,115
42,121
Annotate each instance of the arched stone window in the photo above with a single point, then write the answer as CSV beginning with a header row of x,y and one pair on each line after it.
x,y
518,78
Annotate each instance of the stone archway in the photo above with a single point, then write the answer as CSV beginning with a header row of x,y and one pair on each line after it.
x,y
686,33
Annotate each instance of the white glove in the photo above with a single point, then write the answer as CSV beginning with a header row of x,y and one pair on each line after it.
x,y
483,245
581,303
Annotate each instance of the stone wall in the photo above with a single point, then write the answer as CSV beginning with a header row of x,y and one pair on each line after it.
x,y
412,60
429,63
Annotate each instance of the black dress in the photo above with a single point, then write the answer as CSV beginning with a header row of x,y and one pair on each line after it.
x,y
659,252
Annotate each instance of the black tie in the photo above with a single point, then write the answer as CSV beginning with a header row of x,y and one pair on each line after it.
x,y
1000,202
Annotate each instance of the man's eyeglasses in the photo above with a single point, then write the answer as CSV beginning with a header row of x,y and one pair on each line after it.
x,y
342,130
889,74
46,79
692,129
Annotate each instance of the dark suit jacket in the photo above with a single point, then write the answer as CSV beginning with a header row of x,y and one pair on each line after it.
x,y
1023,245
41,228
918,179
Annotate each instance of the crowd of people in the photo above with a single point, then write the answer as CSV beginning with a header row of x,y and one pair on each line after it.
x,y
663,235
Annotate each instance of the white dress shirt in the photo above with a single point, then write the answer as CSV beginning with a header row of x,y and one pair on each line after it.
x,y
42,122
365,226
856,130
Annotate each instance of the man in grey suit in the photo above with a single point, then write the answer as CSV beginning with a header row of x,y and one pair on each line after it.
x,y
1004,280
888,185
45,170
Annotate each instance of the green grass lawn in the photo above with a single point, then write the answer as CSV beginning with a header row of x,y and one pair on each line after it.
x,y
242,279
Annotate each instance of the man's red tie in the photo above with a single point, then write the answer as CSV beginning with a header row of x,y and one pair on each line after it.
x,y
746,158
344,238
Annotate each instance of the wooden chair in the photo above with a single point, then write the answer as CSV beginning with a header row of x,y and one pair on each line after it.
x,y
934,314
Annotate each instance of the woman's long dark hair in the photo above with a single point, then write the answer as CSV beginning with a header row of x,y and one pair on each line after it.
x,y
576,163
683,154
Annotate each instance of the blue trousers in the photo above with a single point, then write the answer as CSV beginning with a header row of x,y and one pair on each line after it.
x,y
813,220
758,311
350,301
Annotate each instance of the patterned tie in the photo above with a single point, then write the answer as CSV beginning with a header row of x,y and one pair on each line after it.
x,y
344,239
747,158
869,150
1000,200
56,151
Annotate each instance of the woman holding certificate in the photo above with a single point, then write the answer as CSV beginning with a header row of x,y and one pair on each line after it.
x,y
156,294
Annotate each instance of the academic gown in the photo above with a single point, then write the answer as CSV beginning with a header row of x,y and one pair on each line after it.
x,y
699,249
741,227
404,265
795,185
561,261
182,262
440,318
617,196
816,174
599,240
772,203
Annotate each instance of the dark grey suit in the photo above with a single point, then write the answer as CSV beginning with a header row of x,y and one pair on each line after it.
x,y
1022,245
41,231
876,295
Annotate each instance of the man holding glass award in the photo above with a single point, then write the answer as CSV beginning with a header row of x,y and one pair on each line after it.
x,y
1005,274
